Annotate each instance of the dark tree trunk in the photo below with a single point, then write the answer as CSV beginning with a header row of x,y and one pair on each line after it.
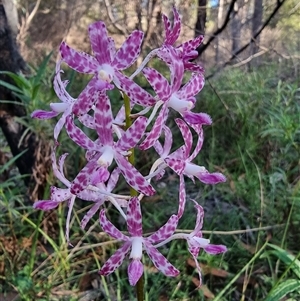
x,y
256,25
18,137
201,18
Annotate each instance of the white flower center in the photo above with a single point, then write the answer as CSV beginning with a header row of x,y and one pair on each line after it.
x,y
59,107
107,156
193,169
106,73
136,248
203,242
180,105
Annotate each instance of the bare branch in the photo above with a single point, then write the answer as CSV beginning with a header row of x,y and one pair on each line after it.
x,y
278,5
202,47
119,28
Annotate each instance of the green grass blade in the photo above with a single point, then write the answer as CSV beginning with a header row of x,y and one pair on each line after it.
x,y
287,258
283,289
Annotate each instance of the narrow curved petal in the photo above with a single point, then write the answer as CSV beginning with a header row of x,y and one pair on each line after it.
x,y
199,219
165,231
88,121
186,134
133,134
189,47
45,205
104,120
115,260
114,177
192,87
197,118
198,268
136,94
129,51
133,177
134,217
176,164
110,228
199,130
156,129
60,194
182,196
87,217
60,123
215,249
135,271
173,33
211,178
100,42
41,114
158,82
83,179
190,66
79,61
160,262
89,95
77,135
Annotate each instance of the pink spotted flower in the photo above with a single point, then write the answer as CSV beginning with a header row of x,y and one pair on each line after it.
x,y
135,243
180,160
172,96
103,151
106,67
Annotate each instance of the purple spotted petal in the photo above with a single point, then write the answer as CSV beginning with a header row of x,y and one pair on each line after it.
x,y
159,83
165,150
110,229
134,217
164,232
135,271
41,114
133,134
211,178
193,67
176,164
172,34
114,177
83,179
87,217
186,134
215,249
89,95
88,121
45,205
136,94
182,196
104,120
197,118
199,130
100,42
77,135
156,129
192,87
199,219
160,262
115,260
133,177
189,47
129,51
79,61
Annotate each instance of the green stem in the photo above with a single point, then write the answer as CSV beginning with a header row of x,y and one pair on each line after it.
x,y
128,122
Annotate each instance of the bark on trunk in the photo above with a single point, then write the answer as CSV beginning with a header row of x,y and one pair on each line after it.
x,y
35,161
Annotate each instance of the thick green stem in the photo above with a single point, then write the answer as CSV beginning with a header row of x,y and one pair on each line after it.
x,y
128,122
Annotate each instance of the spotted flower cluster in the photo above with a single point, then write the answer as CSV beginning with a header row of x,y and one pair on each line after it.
x,y
107,155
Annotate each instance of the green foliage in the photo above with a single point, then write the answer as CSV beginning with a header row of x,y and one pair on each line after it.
x,y
254,140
